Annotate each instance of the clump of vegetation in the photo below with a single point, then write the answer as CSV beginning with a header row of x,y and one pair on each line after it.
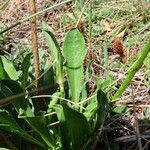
x,y
66,91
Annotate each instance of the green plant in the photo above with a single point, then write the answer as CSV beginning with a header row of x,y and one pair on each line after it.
x,y
68,134
73,119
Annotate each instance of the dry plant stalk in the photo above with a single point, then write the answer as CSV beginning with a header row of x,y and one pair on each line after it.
x,y
34,43
41,102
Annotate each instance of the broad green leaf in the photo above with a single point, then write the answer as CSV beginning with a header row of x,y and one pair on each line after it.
x,y
78,127
9,69
2,71
75,79
38,124
74,49
10,88
9,124
63,127
74,53
25,70
74,125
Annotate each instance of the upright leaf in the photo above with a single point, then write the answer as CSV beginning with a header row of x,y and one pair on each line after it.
x,y
56,55
74,52
74,49
78,127
11,88
76,82
48,80
102,108
25,70
52,42
73,125
63,127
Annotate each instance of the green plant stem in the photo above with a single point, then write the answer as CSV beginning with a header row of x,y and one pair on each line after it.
x,y
60,74
90,21
33,15
137,65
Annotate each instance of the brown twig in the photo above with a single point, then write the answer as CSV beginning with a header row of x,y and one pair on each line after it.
x,y
41,103
34,42
138,136
7,100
